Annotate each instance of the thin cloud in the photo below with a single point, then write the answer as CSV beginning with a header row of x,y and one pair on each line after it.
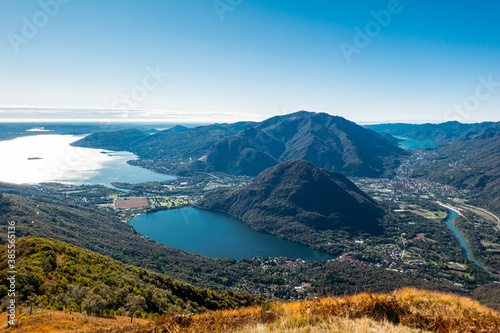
x,y
26,114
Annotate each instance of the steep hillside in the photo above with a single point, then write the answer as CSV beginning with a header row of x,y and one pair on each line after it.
x,y
300,202
65,276
248,152
328,142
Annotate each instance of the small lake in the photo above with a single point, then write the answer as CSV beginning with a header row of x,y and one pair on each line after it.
x,y
461,239
217,235
414,143
50,158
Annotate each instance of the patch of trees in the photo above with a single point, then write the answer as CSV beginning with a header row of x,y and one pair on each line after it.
x,y
61,276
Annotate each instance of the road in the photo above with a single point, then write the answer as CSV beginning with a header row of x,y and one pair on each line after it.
x,y
449,207
486,212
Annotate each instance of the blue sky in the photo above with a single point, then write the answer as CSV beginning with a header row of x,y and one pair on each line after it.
x,y
227,60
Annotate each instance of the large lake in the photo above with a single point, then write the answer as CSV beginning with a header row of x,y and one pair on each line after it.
x,y
408,143
54,160
217,235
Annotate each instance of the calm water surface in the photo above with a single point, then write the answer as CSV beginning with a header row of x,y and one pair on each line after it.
x,y
217,235
460,237
414,143
60,162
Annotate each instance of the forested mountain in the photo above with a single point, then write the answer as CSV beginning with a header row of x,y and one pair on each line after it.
x,y
65,276
248,152
300,202
442,134
329,142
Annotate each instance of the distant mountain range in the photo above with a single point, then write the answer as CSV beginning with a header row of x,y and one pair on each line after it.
x,y
10,131
300,202
247,148
442,134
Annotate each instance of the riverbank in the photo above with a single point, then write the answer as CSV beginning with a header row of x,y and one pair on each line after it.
x,y
452,214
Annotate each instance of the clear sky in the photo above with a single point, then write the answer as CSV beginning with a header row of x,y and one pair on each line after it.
x,y
226,60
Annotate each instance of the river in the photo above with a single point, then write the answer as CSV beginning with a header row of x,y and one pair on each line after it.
x,y
461,239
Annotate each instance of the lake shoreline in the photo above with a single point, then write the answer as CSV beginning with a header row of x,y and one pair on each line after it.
x,y
218,235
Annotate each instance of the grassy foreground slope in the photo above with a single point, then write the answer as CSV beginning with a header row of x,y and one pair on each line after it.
x,y
418,309
52,321
61,276
406,310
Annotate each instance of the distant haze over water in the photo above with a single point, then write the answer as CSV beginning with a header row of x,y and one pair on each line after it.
x,y
50,158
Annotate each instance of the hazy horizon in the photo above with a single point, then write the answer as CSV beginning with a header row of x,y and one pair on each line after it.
x,y
178,117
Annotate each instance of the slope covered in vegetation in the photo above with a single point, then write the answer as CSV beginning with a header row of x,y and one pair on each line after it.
x,y
62,276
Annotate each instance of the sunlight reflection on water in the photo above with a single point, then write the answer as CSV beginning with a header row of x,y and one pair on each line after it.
x,y
54,160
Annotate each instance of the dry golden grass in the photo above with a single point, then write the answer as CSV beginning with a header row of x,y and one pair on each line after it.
x,y
332,325
46,321
404,311
407,308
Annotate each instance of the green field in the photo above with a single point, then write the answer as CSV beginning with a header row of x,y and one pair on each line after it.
x,y
167,202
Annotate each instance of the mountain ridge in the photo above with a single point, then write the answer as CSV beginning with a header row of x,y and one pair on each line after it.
x,y
247,148
329,142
